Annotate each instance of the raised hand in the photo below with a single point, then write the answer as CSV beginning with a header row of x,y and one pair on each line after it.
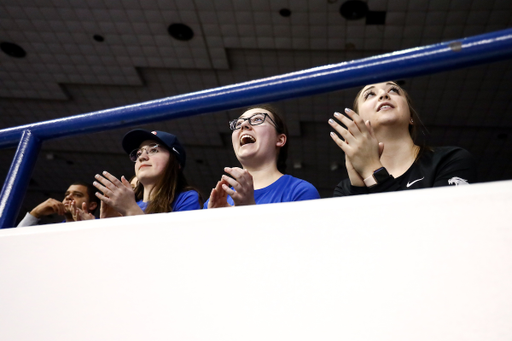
x,y
218,196
80,214
108,212
117,195
47,207
243,187
361,147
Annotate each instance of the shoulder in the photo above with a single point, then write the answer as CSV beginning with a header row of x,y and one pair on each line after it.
x,y
449,164
191,194
300,186
445,154
451,151
285,189
186,201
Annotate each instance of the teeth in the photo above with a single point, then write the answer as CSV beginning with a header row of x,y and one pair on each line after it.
x,y
244,139
385,107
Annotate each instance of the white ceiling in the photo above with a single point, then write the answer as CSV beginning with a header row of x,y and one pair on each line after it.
x,y
66,72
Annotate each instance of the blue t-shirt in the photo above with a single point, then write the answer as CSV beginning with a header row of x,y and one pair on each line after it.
x,y
286,188
186,201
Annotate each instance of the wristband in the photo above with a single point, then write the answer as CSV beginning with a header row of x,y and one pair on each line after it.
x,y
377,177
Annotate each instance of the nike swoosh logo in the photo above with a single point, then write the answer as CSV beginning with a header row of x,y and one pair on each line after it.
x,y
409,184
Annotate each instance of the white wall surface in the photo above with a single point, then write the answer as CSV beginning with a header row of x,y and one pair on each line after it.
x,y
431,264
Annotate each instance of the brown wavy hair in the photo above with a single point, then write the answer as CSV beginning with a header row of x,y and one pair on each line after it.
x,y
167,188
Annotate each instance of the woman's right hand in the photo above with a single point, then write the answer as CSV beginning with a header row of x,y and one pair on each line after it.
x,y
360,145
218,197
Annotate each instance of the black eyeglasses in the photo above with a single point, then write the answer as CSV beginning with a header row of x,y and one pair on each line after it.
x,y
151,149
254,120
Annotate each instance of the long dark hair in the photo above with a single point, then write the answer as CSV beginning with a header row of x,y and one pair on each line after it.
x,y
166,189
281,128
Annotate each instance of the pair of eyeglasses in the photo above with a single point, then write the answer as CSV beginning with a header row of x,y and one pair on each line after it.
x,y
254,120
151,149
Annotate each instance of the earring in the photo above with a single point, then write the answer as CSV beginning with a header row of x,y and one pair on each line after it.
x,y
412,121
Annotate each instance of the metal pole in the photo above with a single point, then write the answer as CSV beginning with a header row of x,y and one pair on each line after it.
x,y
18,178
407,63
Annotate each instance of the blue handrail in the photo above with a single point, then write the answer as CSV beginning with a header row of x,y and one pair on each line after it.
x,y
452,55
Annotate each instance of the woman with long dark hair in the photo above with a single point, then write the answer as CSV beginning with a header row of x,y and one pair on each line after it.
x,y
378,138
161,185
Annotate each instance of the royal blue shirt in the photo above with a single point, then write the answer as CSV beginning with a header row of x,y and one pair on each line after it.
x,y
185,201
286,188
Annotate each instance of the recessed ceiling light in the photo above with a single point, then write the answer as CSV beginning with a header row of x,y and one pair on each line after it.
x,y
98,38
285,12
180,32
353,9
376,18
13,50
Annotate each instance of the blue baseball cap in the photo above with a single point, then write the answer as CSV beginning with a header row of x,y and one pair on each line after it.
x,y
134,138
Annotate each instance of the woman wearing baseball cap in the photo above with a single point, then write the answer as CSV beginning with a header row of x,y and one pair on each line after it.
x,y
159,161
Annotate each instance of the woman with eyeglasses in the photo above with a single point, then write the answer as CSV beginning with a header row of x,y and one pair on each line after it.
x,y
260,144
161,185
378,138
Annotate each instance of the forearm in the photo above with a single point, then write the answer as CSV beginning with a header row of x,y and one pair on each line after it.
x,y
28,220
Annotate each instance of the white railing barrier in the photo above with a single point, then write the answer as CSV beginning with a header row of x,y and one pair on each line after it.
x,y
433,264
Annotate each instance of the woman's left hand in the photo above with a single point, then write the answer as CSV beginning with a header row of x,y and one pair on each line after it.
x,y
117,194
243,193
360,145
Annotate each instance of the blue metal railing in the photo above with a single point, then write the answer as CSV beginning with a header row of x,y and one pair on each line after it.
x,y
402,64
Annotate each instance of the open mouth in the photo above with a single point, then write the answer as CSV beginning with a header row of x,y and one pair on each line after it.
x,y
384,106
246,139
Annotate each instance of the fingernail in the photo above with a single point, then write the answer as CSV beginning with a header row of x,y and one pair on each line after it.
x,y
336,114
331,121
104,172
347,110
97,176
332,133
95,183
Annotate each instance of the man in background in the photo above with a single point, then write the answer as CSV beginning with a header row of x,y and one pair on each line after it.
x,y
80,192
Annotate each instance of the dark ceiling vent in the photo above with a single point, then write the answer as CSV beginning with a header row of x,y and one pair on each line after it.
x,y
353,9
375,18
12,50
285,12
98,38
180,32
